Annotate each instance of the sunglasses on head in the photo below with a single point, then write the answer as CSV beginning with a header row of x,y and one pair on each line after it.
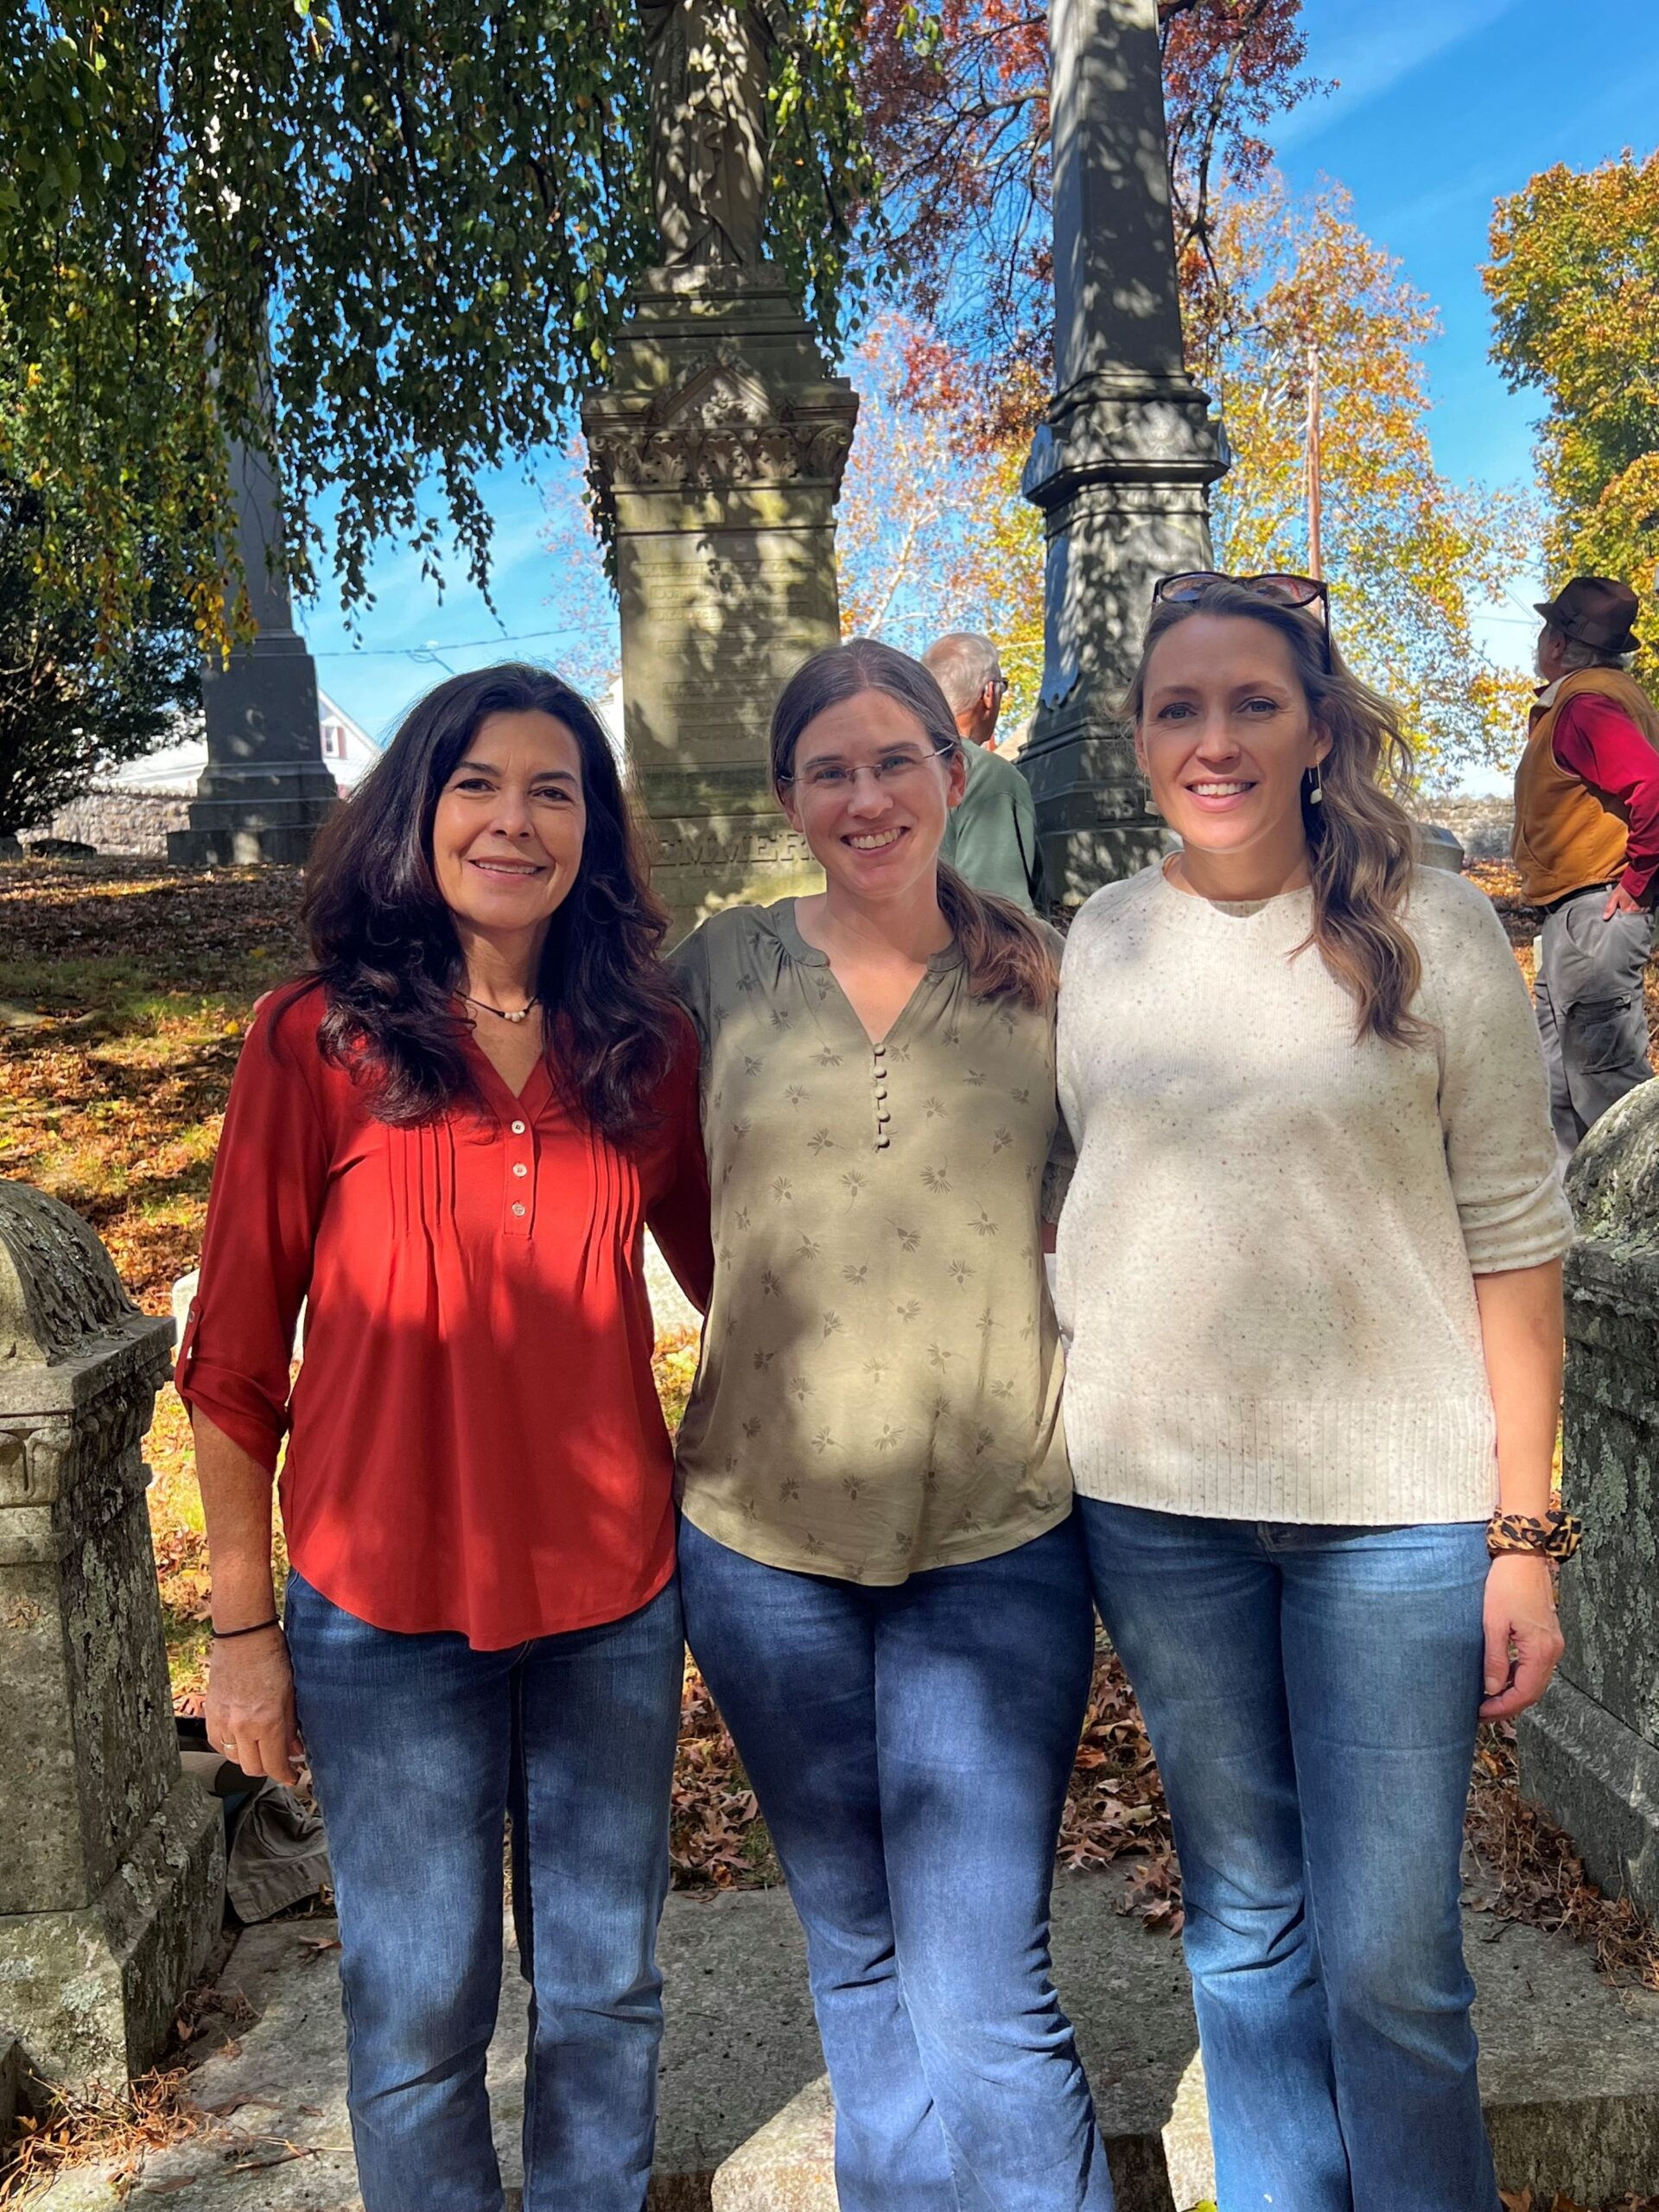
x,y
1294,591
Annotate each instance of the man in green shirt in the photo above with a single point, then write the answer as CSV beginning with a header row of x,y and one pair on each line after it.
x,y
991,840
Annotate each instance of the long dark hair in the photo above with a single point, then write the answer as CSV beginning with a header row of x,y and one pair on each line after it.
x,y
383,946
1006,954
1361,844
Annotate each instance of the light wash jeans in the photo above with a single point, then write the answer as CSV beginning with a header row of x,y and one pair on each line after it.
x,y
1311,1693
911,1747
419,1745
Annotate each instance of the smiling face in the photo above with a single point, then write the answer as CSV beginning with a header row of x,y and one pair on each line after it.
x,y
1226,737
507,832
871,795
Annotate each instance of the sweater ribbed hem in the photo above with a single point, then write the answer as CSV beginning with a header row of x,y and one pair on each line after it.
x,y
1341,1463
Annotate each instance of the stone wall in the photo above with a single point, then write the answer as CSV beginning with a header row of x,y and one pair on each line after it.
x,y
1482,826
118,821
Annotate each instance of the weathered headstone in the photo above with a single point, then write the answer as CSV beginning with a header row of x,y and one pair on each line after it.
x,y
720,443
1125,454
110,1861
265,791
1590,1751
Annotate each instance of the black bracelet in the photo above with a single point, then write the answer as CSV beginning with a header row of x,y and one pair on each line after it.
x,y
225,1635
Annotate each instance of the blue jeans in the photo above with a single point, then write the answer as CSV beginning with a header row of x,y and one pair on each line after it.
x,y
420,1745
1311,1695
910,1747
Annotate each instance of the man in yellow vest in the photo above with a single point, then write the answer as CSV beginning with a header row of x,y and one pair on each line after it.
x,y
1587,844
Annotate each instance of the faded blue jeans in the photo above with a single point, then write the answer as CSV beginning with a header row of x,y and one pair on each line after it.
x,y
911,1747
419,1745
1311,1693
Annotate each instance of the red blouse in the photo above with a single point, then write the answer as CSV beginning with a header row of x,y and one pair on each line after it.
x,y
474,1438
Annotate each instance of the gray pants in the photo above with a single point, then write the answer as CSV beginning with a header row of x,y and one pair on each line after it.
x,y
1590,1014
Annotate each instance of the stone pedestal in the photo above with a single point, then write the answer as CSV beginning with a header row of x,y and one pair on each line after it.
x,y
265,791
720,439
1590,1749
1122,462
111,1863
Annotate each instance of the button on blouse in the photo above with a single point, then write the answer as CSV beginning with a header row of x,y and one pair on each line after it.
x,y
474,1441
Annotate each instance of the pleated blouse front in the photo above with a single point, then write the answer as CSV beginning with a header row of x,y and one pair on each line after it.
x,y
474,1441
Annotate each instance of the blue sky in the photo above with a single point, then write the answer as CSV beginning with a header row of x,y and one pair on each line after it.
x,y
1443,107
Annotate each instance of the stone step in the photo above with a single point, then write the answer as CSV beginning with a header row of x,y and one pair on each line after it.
x,y
1569,2072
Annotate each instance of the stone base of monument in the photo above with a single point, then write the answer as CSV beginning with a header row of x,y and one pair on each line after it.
x,y
1590,1751
12,2075
1600,1782
94,1990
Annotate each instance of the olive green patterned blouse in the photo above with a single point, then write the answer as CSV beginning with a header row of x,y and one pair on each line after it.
x,y
879,1384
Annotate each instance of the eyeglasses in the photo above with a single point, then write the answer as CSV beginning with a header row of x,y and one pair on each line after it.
x,y
1294,591
890,772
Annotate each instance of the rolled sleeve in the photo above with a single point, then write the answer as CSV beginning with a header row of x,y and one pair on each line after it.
x,y
1500,1150
270,1177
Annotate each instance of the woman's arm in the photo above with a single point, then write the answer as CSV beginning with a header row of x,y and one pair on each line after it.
x,y
1521,1332
269,1181
250,1690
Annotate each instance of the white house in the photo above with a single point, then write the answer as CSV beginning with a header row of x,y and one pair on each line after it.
x,y
132,808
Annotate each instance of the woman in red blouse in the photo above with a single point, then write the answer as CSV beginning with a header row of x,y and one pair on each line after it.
x,y
447,1141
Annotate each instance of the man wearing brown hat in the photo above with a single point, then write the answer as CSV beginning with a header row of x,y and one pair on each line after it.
x,y
1587,844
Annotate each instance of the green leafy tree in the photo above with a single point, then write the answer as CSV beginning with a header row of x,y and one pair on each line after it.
x,y
387,240
1575,285
70,702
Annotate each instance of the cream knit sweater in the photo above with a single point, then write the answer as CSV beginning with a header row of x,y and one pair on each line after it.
x,y
1266,1259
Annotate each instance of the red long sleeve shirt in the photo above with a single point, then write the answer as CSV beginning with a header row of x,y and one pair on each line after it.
x,y
1592,741
474,1441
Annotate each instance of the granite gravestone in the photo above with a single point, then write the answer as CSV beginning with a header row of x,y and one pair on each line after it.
x,y
1590,1749
720,443
112,1864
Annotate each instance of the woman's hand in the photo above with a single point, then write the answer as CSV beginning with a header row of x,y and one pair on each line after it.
x,y
1524,1637
250,1706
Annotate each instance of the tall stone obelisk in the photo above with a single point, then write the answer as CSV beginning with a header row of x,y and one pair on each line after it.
x,y
265,791
1122,460
720,441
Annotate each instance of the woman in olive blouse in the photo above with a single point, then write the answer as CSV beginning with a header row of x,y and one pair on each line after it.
x,y
881,1577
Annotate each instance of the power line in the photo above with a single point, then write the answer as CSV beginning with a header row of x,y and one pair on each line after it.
x,y
432,646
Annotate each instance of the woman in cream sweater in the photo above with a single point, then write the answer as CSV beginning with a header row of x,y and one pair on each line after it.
x,y
1309,1278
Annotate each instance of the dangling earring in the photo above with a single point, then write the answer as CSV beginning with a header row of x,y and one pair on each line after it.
x,y
1316,795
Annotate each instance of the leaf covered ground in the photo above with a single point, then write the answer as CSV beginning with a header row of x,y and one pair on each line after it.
x,y
124,989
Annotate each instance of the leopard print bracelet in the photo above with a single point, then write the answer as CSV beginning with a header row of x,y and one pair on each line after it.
x,y
1556,1537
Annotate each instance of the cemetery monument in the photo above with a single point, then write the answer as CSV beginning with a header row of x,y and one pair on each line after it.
x,y
1124,458
720,443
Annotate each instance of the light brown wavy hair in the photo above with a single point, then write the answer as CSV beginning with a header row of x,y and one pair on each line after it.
x,y
1006,954
1361,842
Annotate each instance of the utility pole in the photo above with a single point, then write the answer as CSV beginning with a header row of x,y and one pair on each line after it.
x,y
1315,515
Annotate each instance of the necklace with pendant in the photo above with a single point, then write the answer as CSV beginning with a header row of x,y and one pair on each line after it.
x,y
514,1014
